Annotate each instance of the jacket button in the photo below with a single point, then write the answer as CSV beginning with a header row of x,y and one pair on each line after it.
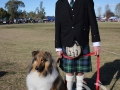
x,y
72,9
72,27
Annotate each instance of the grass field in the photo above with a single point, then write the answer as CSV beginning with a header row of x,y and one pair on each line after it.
x,y
18,41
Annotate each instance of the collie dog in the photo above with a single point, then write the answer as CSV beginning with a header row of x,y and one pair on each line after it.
x,y
43,73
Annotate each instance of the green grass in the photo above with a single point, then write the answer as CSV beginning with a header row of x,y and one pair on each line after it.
x,y
17,41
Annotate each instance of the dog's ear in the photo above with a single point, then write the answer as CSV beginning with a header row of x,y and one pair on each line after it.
x,y
48,54
35,53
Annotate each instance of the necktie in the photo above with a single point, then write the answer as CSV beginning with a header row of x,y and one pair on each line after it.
x,y
71,3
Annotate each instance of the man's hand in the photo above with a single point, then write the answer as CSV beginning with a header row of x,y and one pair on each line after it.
x,y
59,54
96,50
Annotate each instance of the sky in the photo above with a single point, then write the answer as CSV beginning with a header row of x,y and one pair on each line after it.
x,y
30,5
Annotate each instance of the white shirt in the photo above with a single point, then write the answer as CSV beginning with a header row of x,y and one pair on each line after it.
x,y
70,0
94,43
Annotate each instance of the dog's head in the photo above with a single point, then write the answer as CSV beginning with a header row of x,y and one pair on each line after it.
x,y
42,62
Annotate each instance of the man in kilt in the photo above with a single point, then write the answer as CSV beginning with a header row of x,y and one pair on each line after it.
x,y
73,21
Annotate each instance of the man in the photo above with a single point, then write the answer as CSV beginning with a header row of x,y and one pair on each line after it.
x,y
73,20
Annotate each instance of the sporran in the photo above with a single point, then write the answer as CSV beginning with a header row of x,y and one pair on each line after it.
x,y
74,51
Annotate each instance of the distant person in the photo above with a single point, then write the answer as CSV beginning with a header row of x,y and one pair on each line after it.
x,y
73,20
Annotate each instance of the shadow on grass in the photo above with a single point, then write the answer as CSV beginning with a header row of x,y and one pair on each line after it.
x,y
107,72
2,73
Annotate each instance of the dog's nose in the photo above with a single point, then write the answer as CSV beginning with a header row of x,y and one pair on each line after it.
x,y
36,68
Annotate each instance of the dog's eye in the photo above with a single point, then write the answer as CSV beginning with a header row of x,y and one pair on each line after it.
x,y
42,60
45,60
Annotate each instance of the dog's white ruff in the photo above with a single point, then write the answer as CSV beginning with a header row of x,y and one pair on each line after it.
x,y
36,82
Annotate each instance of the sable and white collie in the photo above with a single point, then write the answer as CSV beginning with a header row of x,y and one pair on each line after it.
x,y
43,73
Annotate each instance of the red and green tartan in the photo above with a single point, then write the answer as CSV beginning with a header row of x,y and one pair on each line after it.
x,y
78,65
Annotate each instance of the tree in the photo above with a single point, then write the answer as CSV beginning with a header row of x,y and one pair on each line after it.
x,y
117,10
32,15
107,8
12,7
108,12
3,13
99,11
22,14
40,11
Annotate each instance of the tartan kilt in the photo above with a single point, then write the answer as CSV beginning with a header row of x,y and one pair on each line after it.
x,y
79,65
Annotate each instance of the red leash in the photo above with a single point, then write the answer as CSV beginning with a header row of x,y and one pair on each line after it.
x,y
71,58
98,66
98,73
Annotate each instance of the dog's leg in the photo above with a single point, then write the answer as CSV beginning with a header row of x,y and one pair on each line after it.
x,y
58,84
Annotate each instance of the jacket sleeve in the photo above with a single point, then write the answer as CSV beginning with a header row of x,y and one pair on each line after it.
x,y
93,22
57,28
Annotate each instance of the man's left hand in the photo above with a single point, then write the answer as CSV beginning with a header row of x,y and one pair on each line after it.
x,y
96,50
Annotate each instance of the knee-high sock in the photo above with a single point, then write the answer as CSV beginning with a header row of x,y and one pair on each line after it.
x,y
79,82
69,80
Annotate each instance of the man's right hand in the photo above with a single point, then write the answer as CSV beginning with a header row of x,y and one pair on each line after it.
x,y
59,54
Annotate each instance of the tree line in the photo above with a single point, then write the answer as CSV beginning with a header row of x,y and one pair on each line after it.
x,y
12,11
108,13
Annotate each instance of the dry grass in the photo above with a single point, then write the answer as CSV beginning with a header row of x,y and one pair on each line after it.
x,y
18,41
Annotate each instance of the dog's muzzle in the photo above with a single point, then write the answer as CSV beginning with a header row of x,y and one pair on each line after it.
x,y
39,69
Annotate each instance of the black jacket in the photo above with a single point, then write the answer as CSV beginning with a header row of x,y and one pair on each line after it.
x,y
76,25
